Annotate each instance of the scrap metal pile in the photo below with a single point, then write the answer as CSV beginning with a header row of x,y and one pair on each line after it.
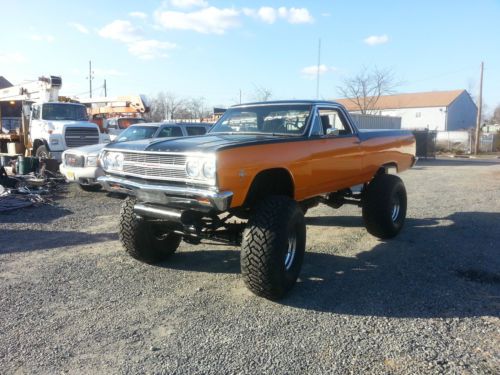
x,y
34,189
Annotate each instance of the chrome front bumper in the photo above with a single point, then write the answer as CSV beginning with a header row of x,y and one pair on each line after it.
x,y
170,195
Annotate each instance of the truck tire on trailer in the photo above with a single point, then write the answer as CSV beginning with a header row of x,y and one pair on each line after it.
x,y
145,240
43,152
384,206
273,247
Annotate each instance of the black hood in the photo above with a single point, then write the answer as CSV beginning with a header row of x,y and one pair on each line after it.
x,y
203,143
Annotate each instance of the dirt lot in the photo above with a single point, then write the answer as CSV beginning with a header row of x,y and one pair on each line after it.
x,y
428,301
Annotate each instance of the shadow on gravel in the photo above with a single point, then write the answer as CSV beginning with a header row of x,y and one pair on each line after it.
x,y
209,261
16,241
447,267
40,214
442,267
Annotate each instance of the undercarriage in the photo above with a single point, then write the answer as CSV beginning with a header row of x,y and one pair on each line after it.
x,y
225,228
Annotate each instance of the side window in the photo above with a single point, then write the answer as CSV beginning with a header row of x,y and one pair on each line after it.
x,y
196,130
170,131
176,132
334,120
35,112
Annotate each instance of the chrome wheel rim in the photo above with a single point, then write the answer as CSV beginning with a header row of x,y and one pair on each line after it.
x,y
396,207
292,249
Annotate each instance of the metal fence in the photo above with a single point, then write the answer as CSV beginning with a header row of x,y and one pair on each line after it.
x,y
376,122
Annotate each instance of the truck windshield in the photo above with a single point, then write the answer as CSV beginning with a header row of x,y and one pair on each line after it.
x,y
64,111
137,132
265,119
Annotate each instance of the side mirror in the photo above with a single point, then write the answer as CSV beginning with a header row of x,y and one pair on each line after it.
x,y
332,131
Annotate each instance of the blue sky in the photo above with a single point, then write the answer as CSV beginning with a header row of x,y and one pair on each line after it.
x,y
214,49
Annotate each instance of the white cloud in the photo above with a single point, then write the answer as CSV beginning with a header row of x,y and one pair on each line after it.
x,y
79,27
267,14
126,32
374,40
12,57
42,38
122,31
312,71
291,15
186,4
140,15
299,15
149,49
209,20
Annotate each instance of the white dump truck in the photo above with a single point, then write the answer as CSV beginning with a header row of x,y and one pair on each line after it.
x,y
49,127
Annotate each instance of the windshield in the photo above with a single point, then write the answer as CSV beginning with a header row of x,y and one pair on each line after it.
x,y
124,123
134,133
266,119
64,111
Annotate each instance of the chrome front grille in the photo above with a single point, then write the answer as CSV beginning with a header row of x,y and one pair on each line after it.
x,y
155,166
155,159
76,136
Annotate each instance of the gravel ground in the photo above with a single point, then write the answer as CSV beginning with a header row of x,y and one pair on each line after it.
x,y
71,300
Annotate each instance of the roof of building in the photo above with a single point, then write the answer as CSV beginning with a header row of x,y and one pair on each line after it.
x,y
4,83
413,100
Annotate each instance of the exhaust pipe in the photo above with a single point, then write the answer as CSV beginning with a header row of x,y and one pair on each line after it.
x,y
158,213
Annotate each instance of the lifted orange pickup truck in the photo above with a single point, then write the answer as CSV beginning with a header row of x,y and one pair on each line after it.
x,y
249,182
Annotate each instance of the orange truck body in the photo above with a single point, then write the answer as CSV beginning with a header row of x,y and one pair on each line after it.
x,y
316,166
315,163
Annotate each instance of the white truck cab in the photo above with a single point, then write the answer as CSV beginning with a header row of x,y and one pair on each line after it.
x,y
56,126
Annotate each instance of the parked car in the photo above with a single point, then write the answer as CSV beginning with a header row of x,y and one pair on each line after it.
x,y
115,125
81,164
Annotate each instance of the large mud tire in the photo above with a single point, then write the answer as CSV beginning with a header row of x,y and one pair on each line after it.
x,y
145,240
273,247
384,206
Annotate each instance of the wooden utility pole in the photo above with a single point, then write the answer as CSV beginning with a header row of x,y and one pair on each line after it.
x,y
479,110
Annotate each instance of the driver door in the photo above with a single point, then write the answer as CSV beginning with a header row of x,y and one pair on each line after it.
x,y
336,153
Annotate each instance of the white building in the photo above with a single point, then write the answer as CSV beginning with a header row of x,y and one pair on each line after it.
x,y
437,110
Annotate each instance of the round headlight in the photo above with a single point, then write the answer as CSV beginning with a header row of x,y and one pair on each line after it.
x,y
193,168
209,169
113,160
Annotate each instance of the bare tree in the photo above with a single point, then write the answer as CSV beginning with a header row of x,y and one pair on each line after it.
x,y
196,106
262,94
158,109
495,119
365,88
173,105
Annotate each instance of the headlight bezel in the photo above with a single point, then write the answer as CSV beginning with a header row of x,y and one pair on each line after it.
x,y
112,161
201,168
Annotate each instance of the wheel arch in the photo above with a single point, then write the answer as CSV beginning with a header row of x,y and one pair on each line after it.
x,y
40,142
387,168
274,181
